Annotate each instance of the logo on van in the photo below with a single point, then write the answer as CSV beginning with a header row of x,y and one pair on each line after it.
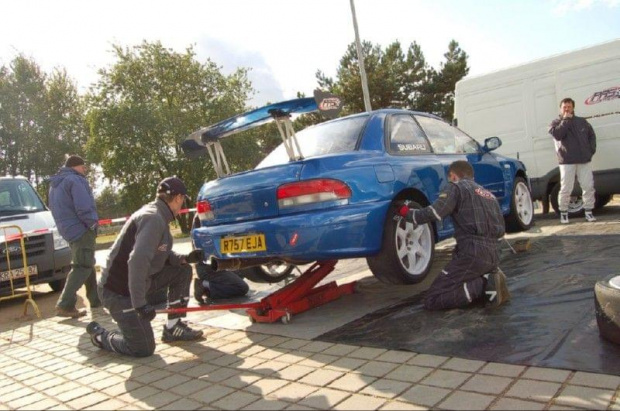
x,y
602,96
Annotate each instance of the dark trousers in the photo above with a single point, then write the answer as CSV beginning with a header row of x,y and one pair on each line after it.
x,y
460,283
82,272
135,336
222,284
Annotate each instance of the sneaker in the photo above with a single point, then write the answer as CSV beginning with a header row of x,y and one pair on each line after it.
x,y
496,290
70,312
201,293
564,218
94,330
180,332
589,217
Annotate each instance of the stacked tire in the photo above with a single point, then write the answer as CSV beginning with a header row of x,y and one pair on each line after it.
x,y
607,305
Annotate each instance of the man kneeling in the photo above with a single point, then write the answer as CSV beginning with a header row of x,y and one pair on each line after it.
x,y
473,273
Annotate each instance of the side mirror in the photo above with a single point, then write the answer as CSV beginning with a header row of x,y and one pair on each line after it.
x,y
492,143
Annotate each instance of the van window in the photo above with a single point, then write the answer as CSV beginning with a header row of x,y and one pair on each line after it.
x,y
446,139
406,136
17,197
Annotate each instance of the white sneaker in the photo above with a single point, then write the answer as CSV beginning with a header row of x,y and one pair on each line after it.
x,y
589,217
564,218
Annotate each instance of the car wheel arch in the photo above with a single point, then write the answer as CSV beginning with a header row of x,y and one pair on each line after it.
x,y
413,194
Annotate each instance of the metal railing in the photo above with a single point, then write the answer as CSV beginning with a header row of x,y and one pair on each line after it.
x,y
12,244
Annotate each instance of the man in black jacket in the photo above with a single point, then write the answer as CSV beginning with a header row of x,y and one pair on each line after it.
x,y
473,273
140,264
575,144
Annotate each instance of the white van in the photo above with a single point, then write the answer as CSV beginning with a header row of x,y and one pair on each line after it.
x,y
518,104
48,255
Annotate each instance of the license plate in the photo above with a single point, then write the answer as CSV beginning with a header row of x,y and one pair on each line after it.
x,y
243,244
18,273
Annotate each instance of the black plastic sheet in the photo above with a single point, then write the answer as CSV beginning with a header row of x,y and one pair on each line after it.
x,y
550,321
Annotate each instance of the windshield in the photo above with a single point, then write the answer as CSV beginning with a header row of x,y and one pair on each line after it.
x,y
18,197
336,136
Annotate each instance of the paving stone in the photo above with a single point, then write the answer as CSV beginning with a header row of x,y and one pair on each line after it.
x,y
427,360
585,397
267,404
25,401
87,401
293,392
376,368
346,364
265,386
152,377
323,398
340,349
212,393
294,357
318,360
183,404
460,400
409,373
137,394
352,382
294,372
459,364
317,346
274,341
423,395
270,354
73,394
360,402
512,404
385,388
170,382
44,404
367,353
398,357
399,405
236,401
190,387
200,370
110,404
595,380
504,370
546,374
293,344
487,384
270,367
241,380
533,390
220,374
446,379
320,377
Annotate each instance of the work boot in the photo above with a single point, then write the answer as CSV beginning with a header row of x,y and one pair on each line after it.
x,y
496,290
590,217
564,218
95,330
69,312
180,332
201,293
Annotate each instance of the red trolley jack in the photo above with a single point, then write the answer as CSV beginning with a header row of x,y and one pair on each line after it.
x,y
297,297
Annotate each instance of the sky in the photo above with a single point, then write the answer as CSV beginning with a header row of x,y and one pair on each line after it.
x,y
284,43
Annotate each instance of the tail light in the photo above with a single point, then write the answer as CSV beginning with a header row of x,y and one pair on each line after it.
x,y
312,191
203,209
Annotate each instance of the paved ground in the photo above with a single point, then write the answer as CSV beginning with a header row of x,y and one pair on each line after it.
x,y
51,364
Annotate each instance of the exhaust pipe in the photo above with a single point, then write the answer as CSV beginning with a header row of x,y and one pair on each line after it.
x,y
234,264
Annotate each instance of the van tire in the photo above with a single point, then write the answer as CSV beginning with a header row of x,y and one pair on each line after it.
x,y
607,308
57,285
268,274
521,215
600,201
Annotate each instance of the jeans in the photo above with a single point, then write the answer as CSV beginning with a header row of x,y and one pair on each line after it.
x,y
222,284
135,336
82,272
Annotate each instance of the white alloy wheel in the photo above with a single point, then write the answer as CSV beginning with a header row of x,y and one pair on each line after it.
x,y
414,247
523,203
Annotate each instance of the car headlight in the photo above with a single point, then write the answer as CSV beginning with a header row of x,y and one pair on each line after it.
x,y
59,242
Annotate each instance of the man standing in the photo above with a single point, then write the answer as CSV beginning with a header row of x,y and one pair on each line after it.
x,y
473,273
73,207
140,264
575,144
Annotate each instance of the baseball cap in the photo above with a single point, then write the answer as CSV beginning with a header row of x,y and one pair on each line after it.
x,y
173,186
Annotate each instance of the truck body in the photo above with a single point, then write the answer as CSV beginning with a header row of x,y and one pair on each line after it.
x,y
518,104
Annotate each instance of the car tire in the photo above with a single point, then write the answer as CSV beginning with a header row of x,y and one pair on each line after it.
x,y
607,306
57,285
521,214
268,273
406,254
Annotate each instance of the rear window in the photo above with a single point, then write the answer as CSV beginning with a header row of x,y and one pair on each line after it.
x,y
337,136
18,197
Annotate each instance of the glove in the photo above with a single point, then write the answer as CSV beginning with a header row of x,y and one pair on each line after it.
x,y
146,312
196,256
403,211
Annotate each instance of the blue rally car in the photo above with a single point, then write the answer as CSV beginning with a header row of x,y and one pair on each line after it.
x,y
330,191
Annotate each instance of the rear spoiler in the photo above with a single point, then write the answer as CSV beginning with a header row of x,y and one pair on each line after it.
x,y
207,139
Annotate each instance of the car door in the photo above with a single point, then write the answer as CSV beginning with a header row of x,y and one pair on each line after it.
x,y
451,144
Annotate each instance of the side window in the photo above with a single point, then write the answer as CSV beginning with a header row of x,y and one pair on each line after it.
x,y
446,139
406,137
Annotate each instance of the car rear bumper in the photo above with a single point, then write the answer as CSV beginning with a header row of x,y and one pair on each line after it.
x,y
345,232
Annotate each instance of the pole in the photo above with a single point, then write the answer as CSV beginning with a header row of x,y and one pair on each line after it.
x,y
360,57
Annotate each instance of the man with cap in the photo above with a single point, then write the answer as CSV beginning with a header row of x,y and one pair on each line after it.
x,y
141,263
73,206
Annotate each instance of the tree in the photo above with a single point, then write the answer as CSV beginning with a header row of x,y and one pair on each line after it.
x,y
41,120
452,70
146,104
